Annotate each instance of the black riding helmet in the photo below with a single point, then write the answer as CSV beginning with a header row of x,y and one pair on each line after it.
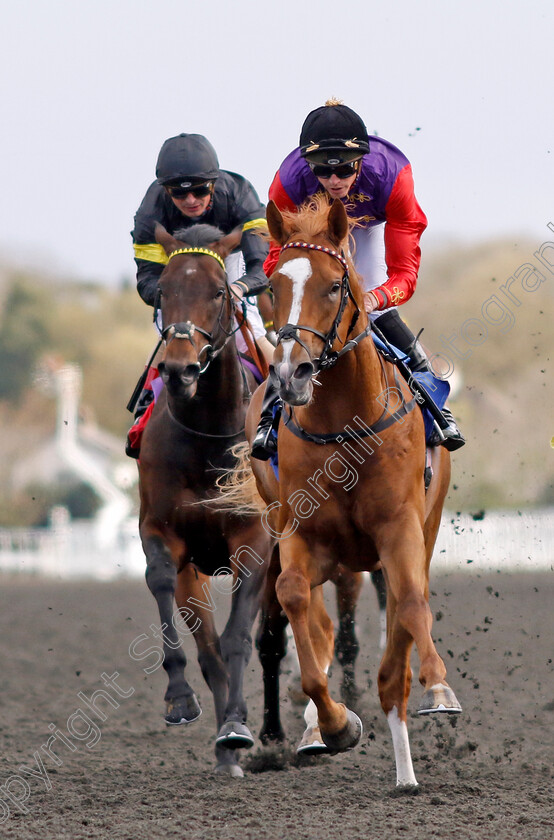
x,y
187,156
333,134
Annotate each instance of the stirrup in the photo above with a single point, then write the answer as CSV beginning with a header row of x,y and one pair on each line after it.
x,y
450,437
453,439
264,445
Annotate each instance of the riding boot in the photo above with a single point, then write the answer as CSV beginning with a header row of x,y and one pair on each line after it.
x,y
264,444
398,333
146,397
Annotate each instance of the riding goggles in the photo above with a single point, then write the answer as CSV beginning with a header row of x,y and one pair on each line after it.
x,y
198,190
342,170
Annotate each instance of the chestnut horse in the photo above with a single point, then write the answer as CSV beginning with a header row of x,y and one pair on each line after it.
x,y
351,485
186,445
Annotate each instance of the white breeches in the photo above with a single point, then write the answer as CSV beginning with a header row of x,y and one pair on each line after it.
x,y
235,267
369,259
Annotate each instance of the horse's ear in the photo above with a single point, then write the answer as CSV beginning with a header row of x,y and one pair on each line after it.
x,y
275,224
228,243
165,239
337,222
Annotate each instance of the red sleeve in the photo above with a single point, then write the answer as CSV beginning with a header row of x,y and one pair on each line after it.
x,y
279,195
405,222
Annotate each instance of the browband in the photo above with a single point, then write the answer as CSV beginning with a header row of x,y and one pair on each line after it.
x,y
198,251
311,247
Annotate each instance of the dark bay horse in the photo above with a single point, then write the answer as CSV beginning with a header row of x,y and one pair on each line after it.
x,y
351,484
198,416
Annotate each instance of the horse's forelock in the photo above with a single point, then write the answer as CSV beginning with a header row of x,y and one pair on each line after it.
x,y
199,236
310,221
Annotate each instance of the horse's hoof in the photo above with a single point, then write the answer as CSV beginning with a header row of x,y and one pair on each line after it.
x,y
404,789
312,743
234,735
233,770
182,710
347,737
439,698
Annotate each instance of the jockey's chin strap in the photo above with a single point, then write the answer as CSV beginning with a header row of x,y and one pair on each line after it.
x,y
186,329
327,357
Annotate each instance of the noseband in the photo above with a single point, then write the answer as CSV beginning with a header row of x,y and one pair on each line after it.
x,y
186,329
328,357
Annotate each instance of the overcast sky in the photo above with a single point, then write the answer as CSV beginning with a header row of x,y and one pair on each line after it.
x,y
91,90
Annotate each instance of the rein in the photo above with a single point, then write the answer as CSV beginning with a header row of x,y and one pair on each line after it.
x,y
327,358
368,431
196,433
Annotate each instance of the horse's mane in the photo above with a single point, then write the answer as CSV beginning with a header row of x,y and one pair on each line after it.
x,y
199,236
310,221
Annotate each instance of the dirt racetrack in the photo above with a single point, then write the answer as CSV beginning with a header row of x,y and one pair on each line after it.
x,y
128,777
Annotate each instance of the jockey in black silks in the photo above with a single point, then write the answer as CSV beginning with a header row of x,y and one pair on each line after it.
x,y
191,189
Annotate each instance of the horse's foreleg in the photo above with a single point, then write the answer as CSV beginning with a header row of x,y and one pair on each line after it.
x,y
161,575
192,593
340,728
409,618
271,644
322,636
236,648
404,562
395,678
378,581
348,586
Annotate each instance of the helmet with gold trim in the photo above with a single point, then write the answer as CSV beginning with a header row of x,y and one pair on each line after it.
x,y
333,134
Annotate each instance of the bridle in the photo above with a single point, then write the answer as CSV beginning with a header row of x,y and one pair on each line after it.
x,y
327,357
186,329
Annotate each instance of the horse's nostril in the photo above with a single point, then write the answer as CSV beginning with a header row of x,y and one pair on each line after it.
x,y
273,376
304,372
191,372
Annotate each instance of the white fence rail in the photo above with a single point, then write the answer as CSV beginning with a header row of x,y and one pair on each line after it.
x,y
72,551
505,541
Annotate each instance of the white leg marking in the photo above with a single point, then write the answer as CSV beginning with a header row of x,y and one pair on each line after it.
x,y
299,270
401,744
310,712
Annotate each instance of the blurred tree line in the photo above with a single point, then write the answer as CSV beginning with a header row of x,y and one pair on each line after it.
x,y
109,333
502,391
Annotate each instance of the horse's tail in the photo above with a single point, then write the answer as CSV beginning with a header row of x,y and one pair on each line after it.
x,y
237,488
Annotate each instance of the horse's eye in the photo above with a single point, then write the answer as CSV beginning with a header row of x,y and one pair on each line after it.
x,y
334,288
219,293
